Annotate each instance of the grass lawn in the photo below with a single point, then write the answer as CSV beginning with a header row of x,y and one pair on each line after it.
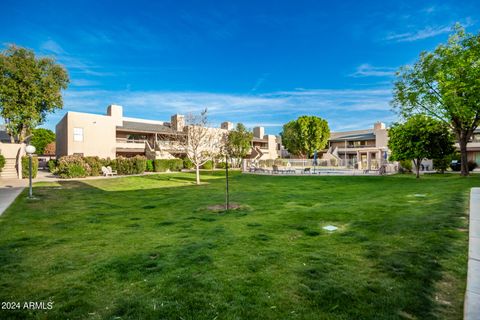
x,y
148,248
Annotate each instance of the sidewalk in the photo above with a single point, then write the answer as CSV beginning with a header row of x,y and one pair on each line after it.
x,y
472,296
9,190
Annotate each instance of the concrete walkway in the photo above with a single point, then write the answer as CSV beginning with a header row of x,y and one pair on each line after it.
x,y
472,296
9,190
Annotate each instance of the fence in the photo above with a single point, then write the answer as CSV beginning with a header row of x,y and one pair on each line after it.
x,y
301,166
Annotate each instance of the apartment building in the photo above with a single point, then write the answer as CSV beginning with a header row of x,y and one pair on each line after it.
x,y
363,149
112,135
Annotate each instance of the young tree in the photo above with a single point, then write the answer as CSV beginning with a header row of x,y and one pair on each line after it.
x,y
202,143
41,138
239,142
420,137
305,135
30,88
444,84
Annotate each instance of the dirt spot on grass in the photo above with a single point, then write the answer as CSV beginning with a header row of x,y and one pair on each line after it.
x,y
221,207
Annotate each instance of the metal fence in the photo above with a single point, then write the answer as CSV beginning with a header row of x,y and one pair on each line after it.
x,y
321,166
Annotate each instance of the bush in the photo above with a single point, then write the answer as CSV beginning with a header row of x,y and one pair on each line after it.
x,y
25,167
95,165
149,167
52,166
188,164
2,162
208,165
221,165
162,165
405,166
135,165
441,165
139,164
471,165
72,167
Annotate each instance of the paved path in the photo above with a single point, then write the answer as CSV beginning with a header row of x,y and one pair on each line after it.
x,y
9,190
472,296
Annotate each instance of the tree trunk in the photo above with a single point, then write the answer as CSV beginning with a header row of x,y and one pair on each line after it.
x,y
417,163
197,171
463,154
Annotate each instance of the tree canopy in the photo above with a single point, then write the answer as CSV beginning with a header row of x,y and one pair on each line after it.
x,y
420,137
445,84
239,142
41,138
303,136
30,88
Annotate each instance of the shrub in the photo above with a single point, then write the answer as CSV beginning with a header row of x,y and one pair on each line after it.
x,y
162,165
187,163
405,166
125,166
149,166
52,166
139,164
2,162
221,165
95,165
72,167
471,165
441,165
25,167
208,165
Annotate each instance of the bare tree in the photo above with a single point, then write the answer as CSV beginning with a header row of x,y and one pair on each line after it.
x,y
202,143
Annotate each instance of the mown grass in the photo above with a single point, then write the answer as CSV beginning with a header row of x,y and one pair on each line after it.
x,y
148,248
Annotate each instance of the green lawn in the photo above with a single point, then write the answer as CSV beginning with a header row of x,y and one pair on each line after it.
x,y
148,248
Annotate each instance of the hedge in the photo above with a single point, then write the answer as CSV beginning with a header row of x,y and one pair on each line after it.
x,y
135,165
2,162
208,165
149,167
162,165
52,166
73,167
95,165
188,164
25,167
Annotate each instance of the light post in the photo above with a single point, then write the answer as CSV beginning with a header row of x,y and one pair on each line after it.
x,y
227,195
30,151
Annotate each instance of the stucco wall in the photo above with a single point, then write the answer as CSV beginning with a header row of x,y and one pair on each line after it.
x,y
98,135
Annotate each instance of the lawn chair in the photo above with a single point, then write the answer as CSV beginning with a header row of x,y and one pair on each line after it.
x,y
106,172
306,170
112,172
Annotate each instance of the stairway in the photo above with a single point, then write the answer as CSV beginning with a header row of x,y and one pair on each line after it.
x,y
9,171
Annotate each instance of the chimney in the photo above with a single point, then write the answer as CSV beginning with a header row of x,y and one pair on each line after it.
x,y
116,111
178,122
378,126
258,132
227,125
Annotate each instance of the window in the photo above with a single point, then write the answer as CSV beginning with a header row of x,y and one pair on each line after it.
x,y
77,134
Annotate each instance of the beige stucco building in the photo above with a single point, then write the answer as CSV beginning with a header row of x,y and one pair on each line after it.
x,y
363,149
112,135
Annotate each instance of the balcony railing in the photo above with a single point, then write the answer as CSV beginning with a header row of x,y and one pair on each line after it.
x,y
126,140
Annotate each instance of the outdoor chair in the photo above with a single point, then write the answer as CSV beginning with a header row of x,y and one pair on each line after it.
x,y
306,170
112,172
106,172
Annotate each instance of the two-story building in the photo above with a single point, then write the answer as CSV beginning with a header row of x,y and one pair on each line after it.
x,y
112,135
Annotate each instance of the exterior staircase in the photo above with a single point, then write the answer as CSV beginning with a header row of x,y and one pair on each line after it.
x,y
9,171
256,153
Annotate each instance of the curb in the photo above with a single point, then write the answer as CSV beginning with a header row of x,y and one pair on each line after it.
x,y
472,294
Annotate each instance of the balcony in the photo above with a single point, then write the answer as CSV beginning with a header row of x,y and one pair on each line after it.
x,y
133,144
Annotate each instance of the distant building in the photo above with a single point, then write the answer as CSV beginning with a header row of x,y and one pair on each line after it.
x,y
112,135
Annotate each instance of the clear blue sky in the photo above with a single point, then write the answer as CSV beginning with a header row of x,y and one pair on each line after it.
x,y
257,62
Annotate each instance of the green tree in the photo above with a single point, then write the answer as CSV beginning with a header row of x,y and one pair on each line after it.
x,y
444,84
420,137
239,142
303,136
41,138
30,88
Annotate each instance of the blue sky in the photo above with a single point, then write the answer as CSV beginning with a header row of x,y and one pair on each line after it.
x,y
256,62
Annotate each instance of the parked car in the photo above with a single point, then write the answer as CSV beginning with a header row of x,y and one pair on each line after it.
x,y
455,165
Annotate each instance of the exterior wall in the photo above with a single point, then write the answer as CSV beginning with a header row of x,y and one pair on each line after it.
x,y
381,138
61,140
99,135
